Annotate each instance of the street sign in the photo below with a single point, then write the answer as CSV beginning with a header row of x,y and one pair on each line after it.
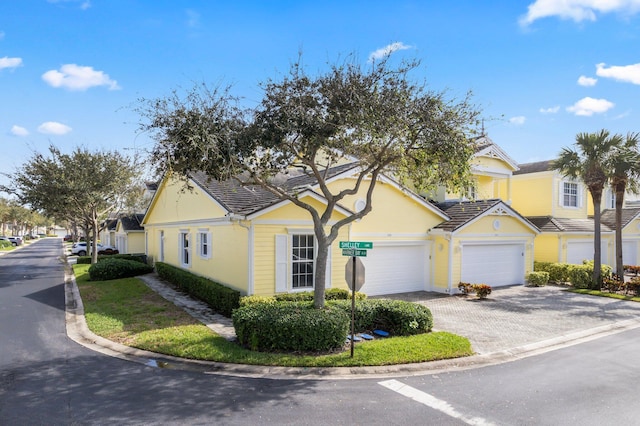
x,y
354,252
359,273
363,245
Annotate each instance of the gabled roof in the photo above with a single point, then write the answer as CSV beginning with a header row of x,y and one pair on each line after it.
x,y
244,200
465,212
538,166
487,148
556,224
131,222
609,217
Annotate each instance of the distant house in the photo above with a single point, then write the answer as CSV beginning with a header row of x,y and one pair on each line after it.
x,y
129,234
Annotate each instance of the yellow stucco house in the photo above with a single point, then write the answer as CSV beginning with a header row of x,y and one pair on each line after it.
x,y
246,238
630,233
560,207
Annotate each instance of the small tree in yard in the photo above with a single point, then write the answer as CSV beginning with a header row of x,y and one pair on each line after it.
x,y
376,115
81,187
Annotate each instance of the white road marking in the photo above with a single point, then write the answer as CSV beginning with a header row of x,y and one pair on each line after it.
x,y
432,401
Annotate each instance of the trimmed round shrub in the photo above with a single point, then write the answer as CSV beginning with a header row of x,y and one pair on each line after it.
x,y
538,279
250,300
580,276
398,317
290,326
112,269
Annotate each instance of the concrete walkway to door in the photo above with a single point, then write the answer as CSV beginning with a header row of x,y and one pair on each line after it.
x,y
517,316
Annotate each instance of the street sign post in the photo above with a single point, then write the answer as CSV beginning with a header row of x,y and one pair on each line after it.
x,y
354,273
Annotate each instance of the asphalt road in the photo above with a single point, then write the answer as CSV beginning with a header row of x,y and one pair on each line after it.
x,y
45,378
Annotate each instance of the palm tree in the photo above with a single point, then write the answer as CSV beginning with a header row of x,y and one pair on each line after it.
x,y
624,167
588,163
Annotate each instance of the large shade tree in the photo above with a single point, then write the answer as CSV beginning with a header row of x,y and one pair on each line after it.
x,y
588,161
623,166
376,114
82,186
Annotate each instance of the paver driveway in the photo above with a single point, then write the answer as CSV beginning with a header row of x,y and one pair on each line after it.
x,y
519,315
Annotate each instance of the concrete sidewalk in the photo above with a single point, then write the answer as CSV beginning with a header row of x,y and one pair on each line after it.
x,y
511,324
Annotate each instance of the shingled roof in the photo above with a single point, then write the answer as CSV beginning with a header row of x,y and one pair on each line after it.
x,y
245,199
556,224
132,222
539,166
463,212
609,217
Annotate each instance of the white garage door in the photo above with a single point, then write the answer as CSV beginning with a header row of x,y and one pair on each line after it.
x,y
395,269
630,252
578,251
493,264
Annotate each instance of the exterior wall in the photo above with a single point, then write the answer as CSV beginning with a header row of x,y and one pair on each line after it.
x,y
440,261
228,263
538,194
547,248
131,242
170,205
533,194
264,257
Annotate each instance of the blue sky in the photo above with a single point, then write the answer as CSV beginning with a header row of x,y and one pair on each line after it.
x,y
541,71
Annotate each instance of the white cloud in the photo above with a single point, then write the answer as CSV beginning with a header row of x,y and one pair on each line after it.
x,y
551,110
577,10
75,77
589,106
518,121
54,128
626,73
387,50
7,62
19,131
587,81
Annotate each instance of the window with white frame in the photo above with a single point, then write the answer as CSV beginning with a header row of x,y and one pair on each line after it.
x,y
185,248
570,194
204,244
611,200
302,261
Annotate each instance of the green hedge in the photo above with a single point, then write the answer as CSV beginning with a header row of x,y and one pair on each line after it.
x,y
398,317
558,272
329,294
290,326
220,298
142,258
113,269
5,244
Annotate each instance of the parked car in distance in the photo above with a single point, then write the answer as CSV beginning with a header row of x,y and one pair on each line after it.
x,y
68,238
80,249
16,241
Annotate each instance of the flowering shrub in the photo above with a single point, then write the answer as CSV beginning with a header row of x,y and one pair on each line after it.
x,y
632,269
482,290
613,284
634,286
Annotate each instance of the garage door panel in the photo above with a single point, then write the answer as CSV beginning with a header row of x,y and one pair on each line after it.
x,y
395,269
579,251
630,252
493,264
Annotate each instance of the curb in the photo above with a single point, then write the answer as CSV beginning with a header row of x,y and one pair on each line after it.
x,y
78,331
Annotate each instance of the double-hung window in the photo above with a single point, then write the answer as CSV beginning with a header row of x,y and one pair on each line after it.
x,y
204,244
570,194
302,261
185,249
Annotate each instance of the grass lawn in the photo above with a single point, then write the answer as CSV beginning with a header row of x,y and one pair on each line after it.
x,y
605,294
128,312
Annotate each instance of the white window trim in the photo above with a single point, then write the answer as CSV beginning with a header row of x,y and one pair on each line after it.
x,y
291,262
201,244
181,239
578,194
